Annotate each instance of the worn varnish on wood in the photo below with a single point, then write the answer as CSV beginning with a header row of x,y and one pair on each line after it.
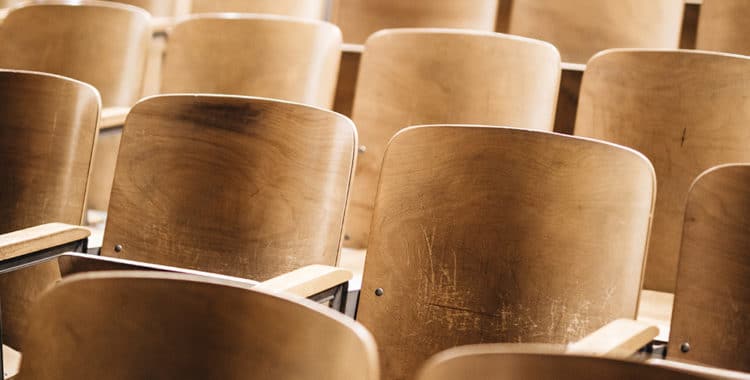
x,y
686,111
241,186
255,55
581,28
712,299
425,76
137,325
487,234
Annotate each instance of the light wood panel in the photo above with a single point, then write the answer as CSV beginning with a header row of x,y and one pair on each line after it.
x,y
268,56
424,76
488,234
523,361
712,299
160,8
581,28
312,9
358,19
723,26
48,127
686,111
241,186
179,326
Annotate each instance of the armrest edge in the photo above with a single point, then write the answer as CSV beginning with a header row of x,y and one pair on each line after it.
x,y
620,338
38,238
307,281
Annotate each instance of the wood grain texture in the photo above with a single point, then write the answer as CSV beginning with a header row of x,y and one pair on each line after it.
x,y
255,55
38,238
546,362
185,327
426,76
686,111
48,127
488,234
581,28
358,19
712,298
723,26
311,9
247,187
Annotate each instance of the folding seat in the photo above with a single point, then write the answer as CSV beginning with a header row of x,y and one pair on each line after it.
x,y
102,43
528,361
490,234
312,9
426,76
136,325
723,26
581,28
686,111
240,186
256,55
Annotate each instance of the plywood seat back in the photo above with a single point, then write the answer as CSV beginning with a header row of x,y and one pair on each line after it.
x,y
312,9
138,325
490,234
685,110
723,26
248,187
48,126
427,76
254,55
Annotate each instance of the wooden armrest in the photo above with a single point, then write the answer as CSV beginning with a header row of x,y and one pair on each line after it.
x,y
113,117
307,281
11,362
39,238
352,48
618,339
568,66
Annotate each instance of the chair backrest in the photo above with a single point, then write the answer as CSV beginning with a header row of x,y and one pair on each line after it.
x,y
712,299
256,55
8,3
102,43
686,111
581,28
247,187
138,325
358,19
538,361
489,234
427,76
48,126
312,9
723,26
158,8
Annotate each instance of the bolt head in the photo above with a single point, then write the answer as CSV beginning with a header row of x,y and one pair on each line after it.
x,y
362,149
685,347
379,292
118,248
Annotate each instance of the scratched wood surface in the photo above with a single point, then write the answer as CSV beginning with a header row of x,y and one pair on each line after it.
x,y
358,19
487,234
426,76
686,111
149,325
311,9
255,55
241,186
581,28
712,298
723,26
48,126
528,361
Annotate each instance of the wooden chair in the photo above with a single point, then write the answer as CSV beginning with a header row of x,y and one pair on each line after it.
x,y
425,76
102,43
48,126
358,19
489,234
580,28
257,55
311,9
722,26
529,361
160,8
712,297
128,325
686,111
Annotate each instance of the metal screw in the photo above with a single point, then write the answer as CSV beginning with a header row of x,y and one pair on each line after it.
x,y
347,237
362,149
685,347
379,292
118,248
